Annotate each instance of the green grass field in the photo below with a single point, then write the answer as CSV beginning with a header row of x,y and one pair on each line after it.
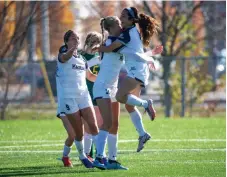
x,y
180,147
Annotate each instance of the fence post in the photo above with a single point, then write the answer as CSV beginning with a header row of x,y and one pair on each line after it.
x,y
45,31
183,82
32,48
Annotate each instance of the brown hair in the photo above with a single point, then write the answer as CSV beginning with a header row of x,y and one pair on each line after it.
x,y
148,25
67,35
106,23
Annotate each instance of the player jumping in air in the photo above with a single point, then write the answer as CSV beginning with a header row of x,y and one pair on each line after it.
x,y
131,43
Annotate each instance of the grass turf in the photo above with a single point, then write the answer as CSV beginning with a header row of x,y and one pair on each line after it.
x,y
180,147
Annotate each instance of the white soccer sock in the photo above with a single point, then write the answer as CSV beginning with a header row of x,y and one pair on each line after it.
x,y
136,101
112,146
66,151
80,149
101,143
137,121
87,143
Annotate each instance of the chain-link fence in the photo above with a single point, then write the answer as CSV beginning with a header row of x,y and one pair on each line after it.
x,y
186,86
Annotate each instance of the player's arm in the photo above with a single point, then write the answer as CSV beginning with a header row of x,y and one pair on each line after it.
x,y
64,53
90,76
64,57
110,48
117,45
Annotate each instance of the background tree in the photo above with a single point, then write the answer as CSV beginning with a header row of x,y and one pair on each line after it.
x,y
14,24
182,26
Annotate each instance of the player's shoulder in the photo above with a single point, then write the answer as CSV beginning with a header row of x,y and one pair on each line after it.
x,y
82,57
111,39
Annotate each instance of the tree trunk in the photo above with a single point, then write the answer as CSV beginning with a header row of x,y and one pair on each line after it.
x,y
166,64
3,110
45,31
167,88
5,97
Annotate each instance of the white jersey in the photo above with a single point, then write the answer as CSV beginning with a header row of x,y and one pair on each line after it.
x,y
135,59
132,46
110,66
71,77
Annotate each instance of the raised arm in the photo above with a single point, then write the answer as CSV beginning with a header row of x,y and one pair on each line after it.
x,y
65,53
112,47
64,57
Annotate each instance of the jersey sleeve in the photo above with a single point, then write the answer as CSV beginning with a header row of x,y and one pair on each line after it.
x,y
63,49
124,38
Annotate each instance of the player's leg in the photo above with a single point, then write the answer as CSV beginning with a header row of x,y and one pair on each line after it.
x,y
124,96
87,140
136,118
98,116
112,139
88,113
105,110
68,142
88,145
99,122
74,117
113,132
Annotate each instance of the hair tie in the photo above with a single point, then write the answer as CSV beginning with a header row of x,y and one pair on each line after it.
x,y
131,12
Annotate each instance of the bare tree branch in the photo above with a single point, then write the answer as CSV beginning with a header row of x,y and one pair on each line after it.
x,y
183,44
147,8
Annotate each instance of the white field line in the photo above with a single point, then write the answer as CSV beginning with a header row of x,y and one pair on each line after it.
x,y
120,151
120,141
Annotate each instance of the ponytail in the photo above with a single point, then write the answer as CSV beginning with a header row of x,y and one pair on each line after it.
x,y
148,25
102,28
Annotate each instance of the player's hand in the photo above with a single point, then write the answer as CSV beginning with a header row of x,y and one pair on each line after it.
x,y
157,50
151,65
95,49
73,42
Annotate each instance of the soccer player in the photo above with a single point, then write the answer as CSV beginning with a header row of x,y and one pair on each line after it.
x,y
131,43
92,39
74,98
104,92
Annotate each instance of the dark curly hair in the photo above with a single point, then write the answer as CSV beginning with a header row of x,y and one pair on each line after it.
x,y
67,35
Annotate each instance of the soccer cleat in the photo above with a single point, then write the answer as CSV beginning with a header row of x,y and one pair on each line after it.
x,y
87,163
98,163
104,160
115,165
142,140
150,110
66,161
89,158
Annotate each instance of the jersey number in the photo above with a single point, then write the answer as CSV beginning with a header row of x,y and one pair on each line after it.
x,y
67,107
95,69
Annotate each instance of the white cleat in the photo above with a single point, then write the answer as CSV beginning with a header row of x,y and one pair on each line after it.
x,y
150,110
142,140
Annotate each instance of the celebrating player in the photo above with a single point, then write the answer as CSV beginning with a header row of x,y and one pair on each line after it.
x,y
131,44
73,95
92,39
104,92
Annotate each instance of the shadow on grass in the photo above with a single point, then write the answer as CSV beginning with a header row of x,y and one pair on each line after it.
x,y
43,170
